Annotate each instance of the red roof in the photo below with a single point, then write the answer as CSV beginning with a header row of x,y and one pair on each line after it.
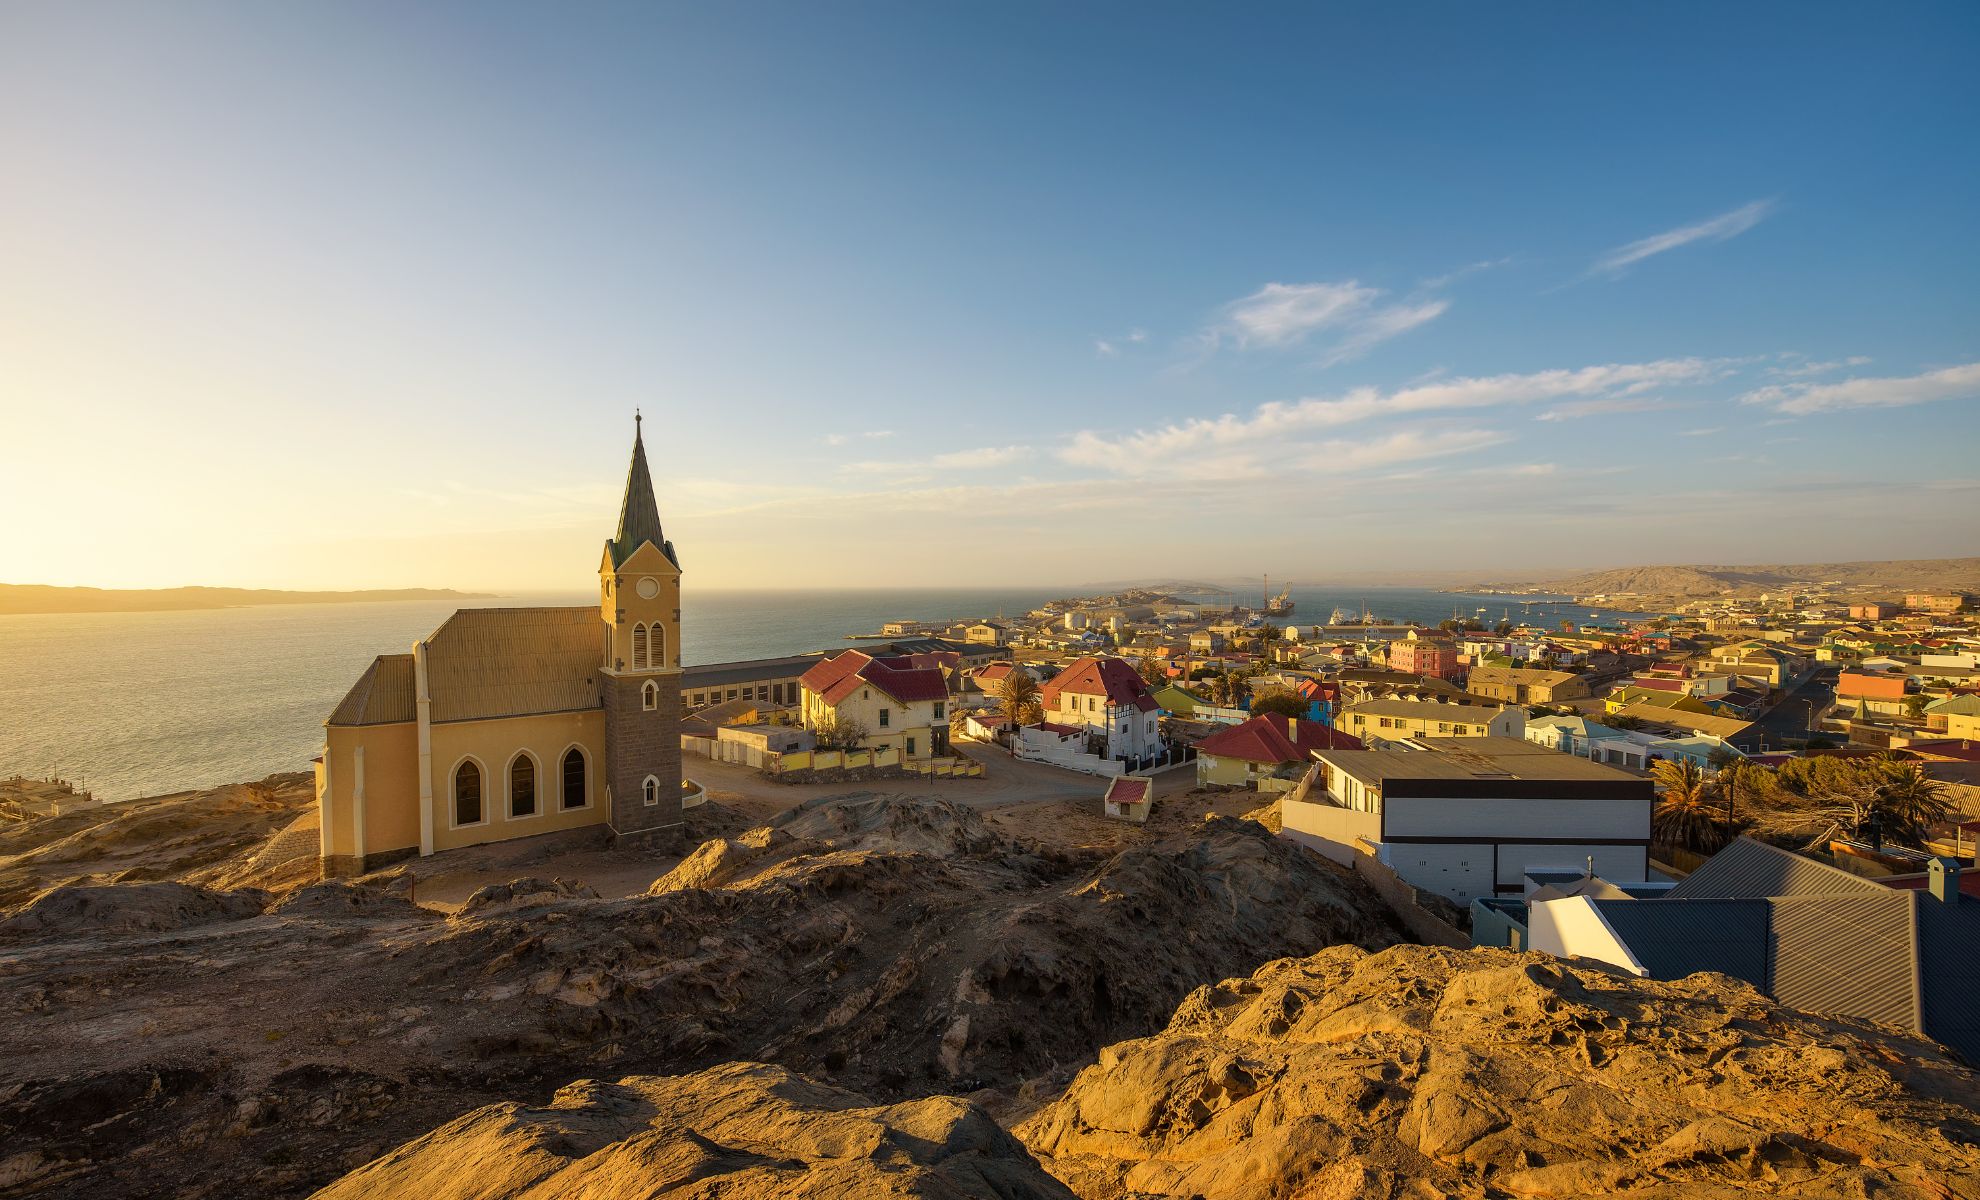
x,y
836,678
1270,738
1657,685
992,672
1123,790
1109,677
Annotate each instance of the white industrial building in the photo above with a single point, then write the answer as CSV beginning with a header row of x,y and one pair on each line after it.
x,y
1469,817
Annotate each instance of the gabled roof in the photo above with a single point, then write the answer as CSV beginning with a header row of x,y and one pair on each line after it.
x,y
511,662
1270,738
837,678
1746,869
1517,675
1112,678
639,513
383,695
1723,727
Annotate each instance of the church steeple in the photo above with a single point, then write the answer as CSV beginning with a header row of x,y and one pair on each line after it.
x,y
639,513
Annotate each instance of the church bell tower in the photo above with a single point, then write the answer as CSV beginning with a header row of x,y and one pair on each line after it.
x,y
639,683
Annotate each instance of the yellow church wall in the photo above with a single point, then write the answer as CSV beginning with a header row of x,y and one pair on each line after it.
x,y
492,744
390,782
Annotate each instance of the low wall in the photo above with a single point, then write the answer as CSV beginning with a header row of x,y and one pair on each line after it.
x,y
1425,925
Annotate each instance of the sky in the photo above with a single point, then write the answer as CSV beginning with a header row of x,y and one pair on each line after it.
x,y
350,295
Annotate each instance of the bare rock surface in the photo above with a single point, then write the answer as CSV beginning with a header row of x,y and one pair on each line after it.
x,y
898,948
1421,1071
128,908
738,1130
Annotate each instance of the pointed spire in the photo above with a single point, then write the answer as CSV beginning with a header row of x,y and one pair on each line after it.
x,y
639,514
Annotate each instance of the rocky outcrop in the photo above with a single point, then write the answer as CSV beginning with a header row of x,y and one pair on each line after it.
x,y
1420,1071
126,908
743,1130
897,948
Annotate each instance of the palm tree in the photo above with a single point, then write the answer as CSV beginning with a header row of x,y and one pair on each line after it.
x,y
1017,694
1687,814
1910,803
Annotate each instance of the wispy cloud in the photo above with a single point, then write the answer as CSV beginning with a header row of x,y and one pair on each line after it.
x,y
1607,406
1800,399
1111,347
987,456
840,439
1717,229
1707,431
1803,370
1439,282
1284,315
1278,421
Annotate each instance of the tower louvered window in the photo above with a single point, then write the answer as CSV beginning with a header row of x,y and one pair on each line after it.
x,y
639,647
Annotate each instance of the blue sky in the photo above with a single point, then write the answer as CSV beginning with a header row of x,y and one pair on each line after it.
x,y
364,294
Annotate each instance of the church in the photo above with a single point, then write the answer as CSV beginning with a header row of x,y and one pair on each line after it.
x,y
510,722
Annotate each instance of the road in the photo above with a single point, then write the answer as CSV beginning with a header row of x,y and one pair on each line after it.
x,y
1791,718
1007,782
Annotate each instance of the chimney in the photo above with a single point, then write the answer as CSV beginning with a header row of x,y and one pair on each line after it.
x,y
1942,880
1292,728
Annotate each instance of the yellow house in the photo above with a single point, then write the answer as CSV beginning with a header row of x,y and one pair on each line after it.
x,y
1962,725
510,722
1394,720
894,702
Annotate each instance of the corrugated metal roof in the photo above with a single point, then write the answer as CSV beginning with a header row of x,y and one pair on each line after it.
x,y
383,695
1750,869
1673,939
511,662
1845,954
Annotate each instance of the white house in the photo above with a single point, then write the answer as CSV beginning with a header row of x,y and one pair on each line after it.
x,y
1470,817
1107,698
1595,742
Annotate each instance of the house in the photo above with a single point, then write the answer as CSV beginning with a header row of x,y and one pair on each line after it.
x,y
1810,935
1871,612
1866,694
1778,667
1630,694
1741,735
1472,817
1128,798
1265,747
1108,698
896,703
1518,685
985,633
1584,738
509,722
1939,713
1393,720
1415,654
1180,701
1204,641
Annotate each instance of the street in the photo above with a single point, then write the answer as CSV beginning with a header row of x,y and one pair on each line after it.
x,y
1792,717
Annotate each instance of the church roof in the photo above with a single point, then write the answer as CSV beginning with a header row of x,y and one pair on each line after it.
x,y
639,513
513,662
383,695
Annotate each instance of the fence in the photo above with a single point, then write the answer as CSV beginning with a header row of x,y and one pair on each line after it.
x,y
878,758
1404,899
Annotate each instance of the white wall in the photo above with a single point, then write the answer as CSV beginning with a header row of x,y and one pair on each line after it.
x,y
1573,927
1329,830
1617,864
1460,871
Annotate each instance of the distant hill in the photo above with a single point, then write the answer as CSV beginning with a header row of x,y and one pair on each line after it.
x,y
1891,578
19,598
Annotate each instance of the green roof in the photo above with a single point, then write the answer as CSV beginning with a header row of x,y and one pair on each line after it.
x,y
639,513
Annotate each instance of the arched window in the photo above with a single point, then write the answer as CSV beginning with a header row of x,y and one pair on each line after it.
x,y
574,778
656,650
639,647
522,786
467,794
651,788
649,696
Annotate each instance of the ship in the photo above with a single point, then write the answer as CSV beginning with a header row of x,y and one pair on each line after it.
x,y
1279,605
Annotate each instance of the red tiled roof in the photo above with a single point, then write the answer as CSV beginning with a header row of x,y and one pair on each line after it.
x,y
836,678
1267,739
1109,677
1123,790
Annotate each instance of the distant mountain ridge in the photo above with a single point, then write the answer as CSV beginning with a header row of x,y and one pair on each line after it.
x,y
1894,577
24,598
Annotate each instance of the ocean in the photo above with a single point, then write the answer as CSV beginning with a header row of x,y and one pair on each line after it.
x,y
139,704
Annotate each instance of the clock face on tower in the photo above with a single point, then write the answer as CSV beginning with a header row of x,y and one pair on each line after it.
x,y
649,587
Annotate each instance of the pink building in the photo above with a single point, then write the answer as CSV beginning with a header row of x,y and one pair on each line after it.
x,y
1421,656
